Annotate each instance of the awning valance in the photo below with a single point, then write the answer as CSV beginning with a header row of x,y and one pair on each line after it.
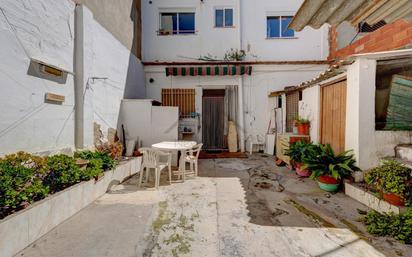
x,y
230,70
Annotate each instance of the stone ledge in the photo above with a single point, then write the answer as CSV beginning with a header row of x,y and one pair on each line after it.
x,y
22,228
371,201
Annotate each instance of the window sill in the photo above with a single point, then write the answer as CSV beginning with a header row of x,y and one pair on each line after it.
x,y
274,38
226,27
176,35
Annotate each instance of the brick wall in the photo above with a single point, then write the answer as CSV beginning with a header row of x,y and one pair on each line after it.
x,y
390,37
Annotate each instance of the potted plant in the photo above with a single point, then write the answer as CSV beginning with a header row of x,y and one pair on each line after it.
x,y
297,151
328,168
303,126
393,181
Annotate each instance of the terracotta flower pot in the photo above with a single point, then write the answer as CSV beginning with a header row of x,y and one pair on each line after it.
x,y
328,183
303,128
302,172
394,199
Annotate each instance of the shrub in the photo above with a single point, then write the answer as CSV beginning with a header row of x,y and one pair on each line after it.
x,y
300,150
391,177
326,162
396,226
63,172
21,177
94,169
107,162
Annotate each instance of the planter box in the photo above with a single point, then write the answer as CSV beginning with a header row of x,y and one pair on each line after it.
x,y
370,200
22,228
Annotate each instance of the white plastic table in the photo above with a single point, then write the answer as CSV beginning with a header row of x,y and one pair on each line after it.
x,y
181,146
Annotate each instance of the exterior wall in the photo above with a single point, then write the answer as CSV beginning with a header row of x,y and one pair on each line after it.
x,y
390,37
256,88
119,75
360,113
207,40
248,33
122,18
309,108
309,44
44,29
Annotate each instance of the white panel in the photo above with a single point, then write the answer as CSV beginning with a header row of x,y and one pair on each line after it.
x,y
165,121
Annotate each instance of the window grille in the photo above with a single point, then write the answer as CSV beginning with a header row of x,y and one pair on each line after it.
x,y
180,97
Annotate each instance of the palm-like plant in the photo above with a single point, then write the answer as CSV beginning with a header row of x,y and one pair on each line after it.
x,y
300,150
326,162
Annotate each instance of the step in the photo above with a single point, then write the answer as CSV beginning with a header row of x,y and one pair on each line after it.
x,y
404,152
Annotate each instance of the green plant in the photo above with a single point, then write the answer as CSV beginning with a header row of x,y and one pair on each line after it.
x,y
63,172
396,226
326,162
21,177
108,162
300,150
391,177
94,169
300,121
235,55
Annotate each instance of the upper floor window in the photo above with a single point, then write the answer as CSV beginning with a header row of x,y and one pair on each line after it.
x,y
223,17
177,23
277,27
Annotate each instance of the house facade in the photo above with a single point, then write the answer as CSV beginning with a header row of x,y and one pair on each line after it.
x,y
65,67
184,48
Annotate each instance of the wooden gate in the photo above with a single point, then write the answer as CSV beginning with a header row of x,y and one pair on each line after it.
x,y
333,115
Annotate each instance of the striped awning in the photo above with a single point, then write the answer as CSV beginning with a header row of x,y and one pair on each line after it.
x,y
231,70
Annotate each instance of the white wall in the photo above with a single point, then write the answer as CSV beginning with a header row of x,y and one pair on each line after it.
x,y
152,125
119,74
43,29
360,111
207,40
308,44
309,108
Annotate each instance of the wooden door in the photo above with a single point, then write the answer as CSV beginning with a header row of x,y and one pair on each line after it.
x,y
213,123
333,115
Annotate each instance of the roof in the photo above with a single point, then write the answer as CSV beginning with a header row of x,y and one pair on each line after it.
x,y
396,57
315,13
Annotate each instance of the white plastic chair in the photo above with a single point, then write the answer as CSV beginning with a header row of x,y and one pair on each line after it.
x,y
152,160
191,156
256,140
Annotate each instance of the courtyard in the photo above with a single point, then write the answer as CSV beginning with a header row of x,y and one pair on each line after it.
x,y
236,207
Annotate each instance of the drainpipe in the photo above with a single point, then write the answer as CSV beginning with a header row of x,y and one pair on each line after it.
x,y
240,91
79,78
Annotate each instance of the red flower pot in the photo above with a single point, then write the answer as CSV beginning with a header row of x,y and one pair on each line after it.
x,y
303,128
328,183
302,173
394,199
327,179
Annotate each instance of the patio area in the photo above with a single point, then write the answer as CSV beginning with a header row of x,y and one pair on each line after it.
x,y
234,208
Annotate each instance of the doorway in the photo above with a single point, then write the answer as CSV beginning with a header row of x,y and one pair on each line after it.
x,y
213,119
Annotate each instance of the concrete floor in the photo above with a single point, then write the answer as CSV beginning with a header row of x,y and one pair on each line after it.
x,y
232,209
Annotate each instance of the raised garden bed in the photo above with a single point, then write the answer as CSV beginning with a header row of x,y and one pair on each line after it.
x,y
22,228
369,199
